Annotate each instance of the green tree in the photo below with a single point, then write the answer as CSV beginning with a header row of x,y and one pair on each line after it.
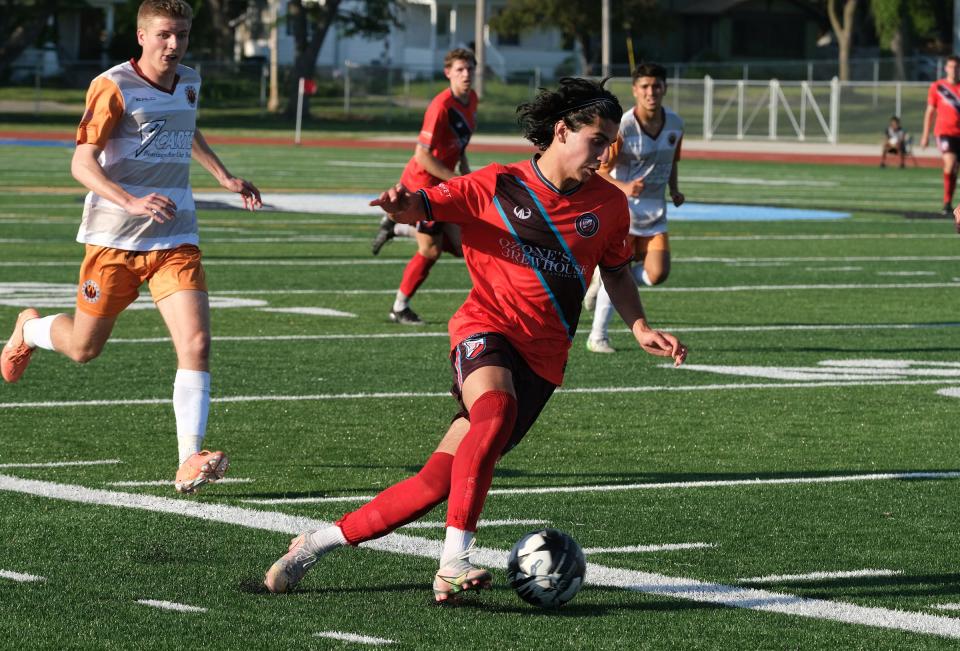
x,y
309,23
21,24
579,20
900,23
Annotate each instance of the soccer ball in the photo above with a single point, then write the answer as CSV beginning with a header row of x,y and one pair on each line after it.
x,y
546,568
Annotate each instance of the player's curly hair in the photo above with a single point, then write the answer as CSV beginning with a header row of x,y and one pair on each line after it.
x,y
577,102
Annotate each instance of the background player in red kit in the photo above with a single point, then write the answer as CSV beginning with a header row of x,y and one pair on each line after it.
x,y
943,99
533,232
448,124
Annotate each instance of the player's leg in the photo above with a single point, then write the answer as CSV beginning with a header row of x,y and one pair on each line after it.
x,y
452,243
590,298
883,155
656,261
598,341
949,180
429,249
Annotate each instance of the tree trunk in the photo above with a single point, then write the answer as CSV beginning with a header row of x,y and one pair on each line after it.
x,y
307,50
222,32
24,32
897,47
844,32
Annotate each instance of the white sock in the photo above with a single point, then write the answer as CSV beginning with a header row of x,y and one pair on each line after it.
x,y
191,405
404,230
321,541
642,276
456,542
401,302
36,332
602,314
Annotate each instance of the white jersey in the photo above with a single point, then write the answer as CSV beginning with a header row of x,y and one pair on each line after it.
x,y
640,155
146,136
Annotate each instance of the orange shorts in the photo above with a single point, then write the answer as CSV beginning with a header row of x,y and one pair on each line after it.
x,y
110,278
642,244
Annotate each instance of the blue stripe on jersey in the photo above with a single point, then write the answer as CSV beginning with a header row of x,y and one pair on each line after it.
x,y
546,218
543,281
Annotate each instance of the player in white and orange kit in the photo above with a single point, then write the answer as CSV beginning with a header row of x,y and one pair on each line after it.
x,y
533,232
448,123
643,164
134,146
943,101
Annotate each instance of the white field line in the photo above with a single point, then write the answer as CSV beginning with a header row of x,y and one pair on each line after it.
x,y
950,393
642,549
482,523
612,488
818,576
380,395
169,482
20,578
946,606
310,311
353,637
646,582
61,464
171,605
417,335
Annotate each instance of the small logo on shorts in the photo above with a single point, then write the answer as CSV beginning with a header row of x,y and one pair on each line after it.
x,y
588,224
90,291
473,347
521,213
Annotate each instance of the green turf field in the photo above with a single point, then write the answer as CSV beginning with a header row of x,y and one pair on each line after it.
x,y
795,486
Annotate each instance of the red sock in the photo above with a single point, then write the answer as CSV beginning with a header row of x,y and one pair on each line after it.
x,y
491,424
949,185
401,503
415,273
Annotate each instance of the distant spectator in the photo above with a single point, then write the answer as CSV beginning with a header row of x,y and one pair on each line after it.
x,y
894,142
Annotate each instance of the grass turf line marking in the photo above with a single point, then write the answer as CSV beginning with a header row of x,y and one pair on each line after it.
x,y
642,549
482,523
946,606
657,584
61,464
353,637
607,488
818,576
169,482
20,578
311,311
171,605
445,394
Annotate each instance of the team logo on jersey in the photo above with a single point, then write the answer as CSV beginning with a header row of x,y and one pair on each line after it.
x,y
90,291
191,94
588,224
672,139
473,347
521,213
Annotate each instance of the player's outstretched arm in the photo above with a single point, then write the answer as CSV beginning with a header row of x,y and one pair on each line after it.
x,y
927,123
622,289
401,205
211,162
85,167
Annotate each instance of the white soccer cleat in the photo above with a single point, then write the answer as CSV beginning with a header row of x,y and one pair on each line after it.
x,y
458,576
601,345
200,469
289,569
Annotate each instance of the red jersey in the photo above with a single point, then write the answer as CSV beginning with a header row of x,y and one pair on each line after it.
x,y
447,127
530,250
945,98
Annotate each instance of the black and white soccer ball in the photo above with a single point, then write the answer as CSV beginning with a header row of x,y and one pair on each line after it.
x,y
546,568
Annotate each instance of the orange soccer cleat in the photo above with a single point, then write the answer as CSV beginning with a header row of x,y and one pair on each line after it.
x,y
16,354
200,469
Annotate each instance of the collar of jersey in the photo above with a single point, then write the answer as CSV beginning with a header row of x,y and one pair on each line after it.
x,y
543,179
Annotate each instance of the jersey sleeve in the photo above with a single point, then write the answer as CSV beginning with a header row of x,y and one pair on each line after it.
x,y
461,199
104,111
614,151
430,132
618,253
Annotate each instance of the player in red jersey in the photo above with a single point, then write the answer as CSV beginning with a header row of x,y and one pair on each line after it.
x,y
943,100
448,124
533,232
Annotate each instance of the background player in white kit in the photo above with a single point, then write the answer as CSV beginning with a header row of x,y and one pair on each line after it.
x,y
643,164
134,146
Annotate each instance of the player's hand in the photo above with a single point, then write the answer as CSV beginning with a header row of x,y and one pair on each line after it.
x,y
677,198
397,202
157,207
956,218
662,344
634,188
924,141
246,189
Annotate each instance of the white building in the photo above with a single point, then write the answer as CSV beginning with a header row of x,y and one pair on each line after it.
x,y
429,28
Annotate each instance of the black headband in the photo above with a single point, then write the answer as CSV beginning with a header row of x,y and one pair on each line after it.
x,y
572,109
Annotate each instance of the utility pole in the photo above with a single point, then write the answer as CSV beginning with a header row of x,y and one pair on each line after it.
x,y
273,104
605,39
480,25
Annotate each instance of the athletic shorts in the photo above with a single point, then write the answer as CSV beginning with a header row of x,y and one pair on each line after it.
x,y
110,278
492,349
949,144
430,227
642,244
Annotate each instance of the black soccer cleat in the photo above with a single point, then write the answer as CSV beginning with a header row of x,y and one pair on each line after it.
x,y
406,316
384,234
947,210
